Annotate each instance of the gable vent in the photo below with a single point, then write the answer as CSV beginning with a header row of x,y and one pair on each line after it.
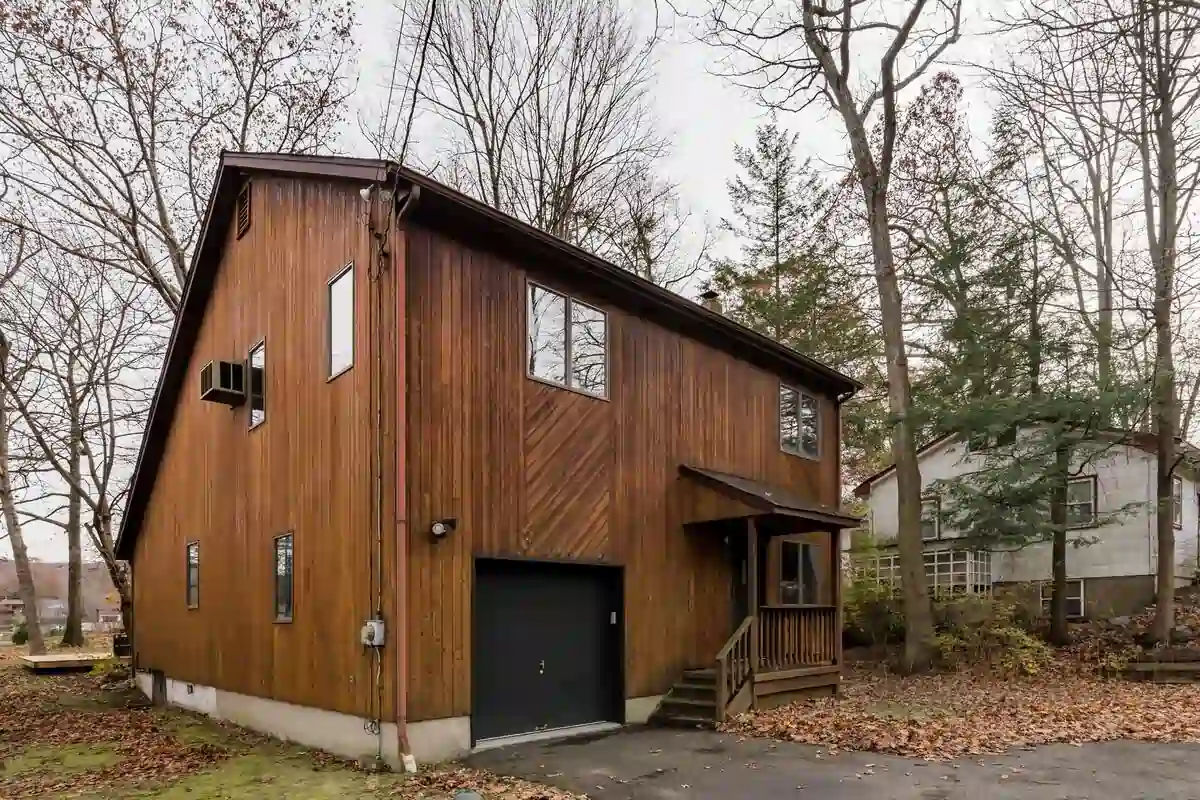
x,y
243,210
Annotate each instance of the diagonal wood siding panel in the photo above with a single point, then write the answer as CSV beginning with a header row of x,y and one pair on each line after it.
x,y
531,470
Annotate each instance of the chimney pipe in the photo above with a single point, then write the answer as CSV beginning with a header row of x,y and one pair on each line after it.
x,y
711,300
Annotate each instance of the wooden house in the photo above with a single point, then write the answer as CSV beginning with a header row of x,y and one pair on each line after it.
x,y
418,476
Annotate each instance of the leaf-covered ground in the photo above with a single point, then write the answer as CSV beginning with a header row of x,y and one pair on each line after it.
x,y
951,715
71,736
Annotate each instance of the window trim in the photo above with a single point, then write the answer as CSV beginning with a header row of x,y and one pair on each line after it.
x,y
936,499
1177,505
1095,520
251,424
187,574
800,391
569,300
279,619
1045,599
330,375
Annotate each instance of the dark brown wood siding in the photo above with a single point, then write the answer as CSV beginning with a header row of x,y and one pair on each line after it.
x,y
531,470
308,469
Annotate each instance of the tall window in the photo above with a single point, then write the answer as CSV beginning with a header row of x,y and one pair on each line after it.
x,y
1177,501
797,573
931,518
283,578
567,342
193,575
799,423
341,321
258,400
1081,501
1074,598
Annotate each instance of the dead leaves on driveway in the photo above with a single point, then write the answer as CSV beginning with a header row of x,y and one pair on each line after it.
x,y
952,715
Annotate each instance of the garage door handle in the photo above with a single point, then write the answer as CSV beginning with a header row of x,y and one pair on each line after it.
x,y
541,668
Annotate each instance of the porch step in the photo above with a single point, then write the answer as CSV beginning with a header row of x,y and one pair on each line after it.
x,y
691,702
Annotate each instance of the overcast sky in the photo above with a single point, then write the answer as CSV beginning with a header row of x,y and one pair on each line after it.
x,y
701,114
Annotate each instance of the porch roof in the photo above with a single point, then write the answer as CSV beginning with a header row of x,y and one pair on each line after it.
x,y
764,498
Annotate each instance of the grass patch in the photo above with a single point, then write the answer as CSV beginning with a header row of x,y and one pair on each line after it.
x,y
65,759
266,776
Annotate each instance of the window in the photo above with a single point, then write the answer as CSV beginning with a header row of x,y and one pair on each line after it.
x,y
1074,598
931,518
799,569
243,210
193,575
1081,502
799,423
283,578
1177,501
979,442
567,342
258,401
341,321
797,574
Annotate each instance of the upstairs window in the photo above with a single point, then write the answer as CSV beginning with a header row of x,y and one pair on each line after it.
x,y
283,578
243,210
799,423
341,321
1081,502
193,575
258,401
931,518
567,342
1177,501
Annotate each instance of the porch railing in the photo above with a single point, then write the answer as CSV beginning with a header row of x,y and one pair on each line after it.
x,y
734,665
796,637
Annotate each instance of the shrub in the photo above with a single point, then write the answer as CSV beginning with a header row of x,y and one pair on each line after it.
x,y
21,635
981,631
873,615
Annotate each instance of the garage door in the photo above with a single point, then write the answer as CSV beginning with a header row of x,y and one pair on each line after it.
x,y
546,647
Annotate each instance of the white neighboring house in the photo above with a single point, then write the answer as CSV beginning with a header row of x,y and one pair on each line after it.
x,y
1114,575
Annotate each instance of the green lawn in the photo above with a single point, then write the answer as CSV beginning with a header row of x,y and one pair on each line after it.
x,y
67,736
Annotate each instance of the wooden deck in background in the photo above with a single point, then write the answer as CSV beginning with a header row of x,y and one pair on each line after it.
x,y
63,662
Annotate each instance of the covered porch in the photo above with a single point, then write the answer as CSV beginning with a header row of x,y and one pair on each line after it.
x,y
785,595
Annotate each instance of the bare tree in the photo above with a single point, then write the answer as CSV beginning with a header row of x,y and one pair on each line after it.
x,y
114,112
16,248
88,340
793,56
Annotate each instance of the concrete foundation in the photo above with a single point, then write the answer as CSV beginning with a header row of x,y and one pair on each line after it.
x,y
1103,598
437,740
639,709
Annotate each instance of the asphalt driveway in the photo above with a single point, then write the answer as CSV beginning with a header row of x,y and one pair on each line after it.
x,y
653,763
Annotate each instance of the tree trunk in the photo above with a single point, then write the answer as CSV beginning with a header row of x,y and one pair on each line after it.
x,y
918,611
26,588
1058,547
73,632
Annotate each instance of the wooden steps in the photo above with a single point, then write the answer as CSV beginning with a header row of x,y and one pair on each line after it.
x,y
691,702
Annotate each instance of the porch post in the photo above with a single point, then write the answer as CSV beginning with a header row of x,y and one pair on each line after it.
x,y
752,589
838,591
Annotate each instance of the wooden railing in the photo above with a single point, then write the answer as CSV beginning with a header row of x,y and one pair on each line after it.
x,y
734,665
796,637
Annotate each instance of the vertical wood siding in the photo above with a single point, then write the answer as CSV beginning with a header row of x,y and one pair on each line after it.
x,y
307,469
536,471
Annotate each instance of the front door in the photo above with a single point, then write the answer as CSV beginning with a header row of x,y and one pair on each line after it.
x,y
740,586
547,650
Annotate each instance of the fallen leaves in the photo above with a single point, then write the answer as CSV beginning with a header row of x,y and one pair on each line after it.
x,y
445,781
947,716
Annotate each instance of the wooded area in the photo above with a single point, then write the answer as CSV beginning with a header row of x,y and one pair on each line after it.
x,y
1028,263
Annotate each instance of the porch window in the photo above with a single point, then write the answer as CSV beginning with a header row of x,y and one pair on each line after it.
x,y
799,423
567,342
1177,501
798,570
1081,502
1074,597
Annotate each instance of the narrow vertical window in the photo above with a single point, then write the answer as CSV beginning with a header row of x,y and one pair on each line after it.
x,y
588,355
243,210
799,422
341,321
931,518
193,575
547,329
258,400
283,578
1177,501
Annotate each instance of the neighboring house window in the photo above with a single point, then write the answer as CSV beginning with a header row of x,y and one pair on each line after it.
x,y
1081,502
1177,501
341,321
979,442
567,342
283,578
258,400
931,518
799,422
1074,598
193,575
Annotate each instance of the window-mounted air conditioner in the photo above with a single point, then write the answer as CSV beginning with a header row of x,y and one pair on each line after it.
x,y
223,382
